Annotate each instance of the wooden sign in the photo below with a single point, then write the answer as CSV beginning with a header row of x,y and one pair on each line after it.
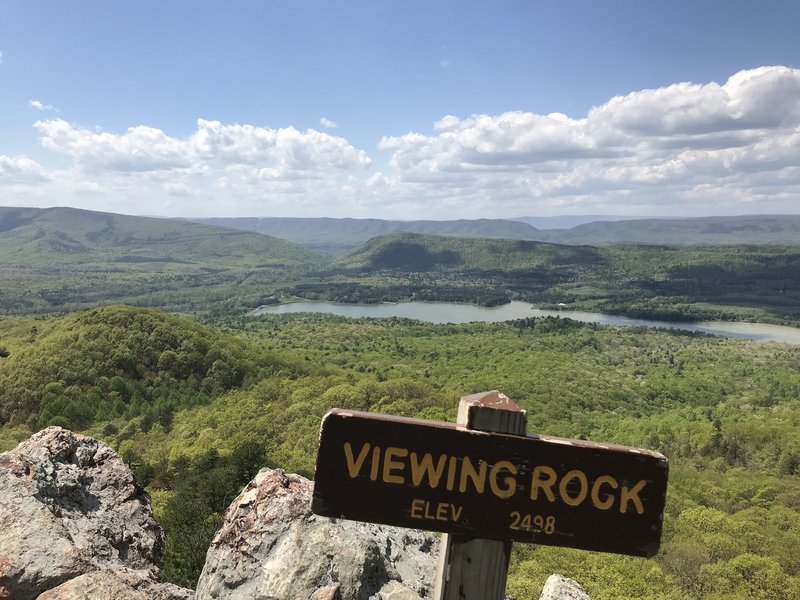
x,y
443,477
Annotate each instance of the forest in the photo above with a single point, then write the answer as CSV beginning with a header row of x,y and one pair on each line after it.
x,y
59,260
196,408
133,330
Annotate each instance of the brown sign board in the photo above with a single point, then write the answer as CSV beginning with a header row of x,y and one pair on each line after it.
x,y
441,477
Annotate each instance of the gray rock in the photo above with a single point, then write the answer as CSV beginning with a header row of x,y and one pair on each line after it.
x,y
329,592
271,545
70,506
560,588
116,583
395,591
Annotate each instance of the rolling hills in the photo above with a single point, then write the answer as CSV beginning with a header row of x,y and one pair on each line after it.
x,y
746,229
417,252
64,259
338,235
760,283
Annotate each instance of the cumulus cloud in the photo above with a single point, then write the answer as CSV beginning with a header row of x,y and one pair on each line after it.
x,y
21,169
208,171
655,148
687,148
327,123
140,148
39,105
286,149
148,149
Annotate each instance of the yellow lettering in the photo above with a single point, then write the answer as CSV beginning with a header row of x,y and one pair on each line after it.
x,y
416,508
510,483
608,502
469,472
428,515
390,465
354,464
451,473
562,487
420,468
457,510
632,495
545,483
376,460
442,509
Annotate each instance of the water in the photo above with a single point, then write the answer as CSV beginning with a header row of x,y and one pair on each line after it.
x,y
448,312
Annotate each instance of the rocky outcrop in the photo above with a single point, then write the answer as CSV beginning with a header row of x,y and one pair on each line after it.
x,y
70,508
116,583
74,525
560,588
272,546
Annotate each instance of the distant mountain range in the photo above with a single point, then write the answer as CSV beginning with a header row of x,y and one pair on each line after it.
x,y
335,236
746,229
568,221
60,259
414,252
48,236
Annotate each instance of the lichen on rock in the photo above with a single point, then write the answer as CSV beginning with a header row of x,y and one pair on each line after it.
x,y
271,545
70,506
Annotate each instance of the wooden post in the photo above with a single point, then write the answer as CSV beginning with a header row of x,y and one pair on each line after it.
x,y
469,568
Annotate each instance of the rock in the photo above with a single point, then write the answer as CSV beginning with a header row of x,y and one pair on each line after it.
x,y
271,545
116,583
395,591
329,592
560,588
69,506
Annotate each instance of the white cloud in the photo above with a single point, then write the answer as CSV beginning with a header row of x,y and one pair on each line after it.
x,y
327,123
286,149
39,105
140,148
148,149
209,172
21,169
657,149
687,148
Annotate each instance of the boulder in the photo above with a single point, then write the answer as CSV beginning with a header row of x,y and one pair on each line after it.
x,y
560,588
272,546
116,583
69,506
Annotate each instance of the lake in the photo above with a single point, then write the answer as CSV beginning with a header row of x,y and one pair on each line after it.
x,y
448,312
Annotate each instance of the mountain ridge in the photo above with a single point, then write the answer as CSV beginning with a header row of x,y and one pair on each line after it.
x,y
338,235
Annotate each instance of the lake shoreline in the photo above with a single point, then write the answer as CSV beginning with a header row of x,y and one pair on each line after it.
x,y
451,312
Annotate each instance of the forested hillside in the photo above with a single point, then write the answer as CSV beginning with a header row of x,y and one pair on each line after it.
x,y
757,283
62,258
339,235
746,229
196,410
55,260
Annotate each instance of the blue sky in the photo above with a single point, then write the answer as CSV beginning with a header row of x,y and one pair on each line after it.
x,y
401,109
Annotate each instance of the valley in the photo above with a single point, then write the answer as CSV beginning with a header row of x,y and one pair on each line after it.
x,y
196,397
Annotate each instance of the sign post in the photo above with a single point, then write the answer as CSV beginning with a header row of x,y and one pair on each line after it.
x,y
470,568
485,483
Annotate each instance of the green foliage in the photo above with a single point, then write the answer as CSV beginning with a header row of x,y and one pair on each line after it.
x,y
755,283
348,233
67,259
196,411
121,362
